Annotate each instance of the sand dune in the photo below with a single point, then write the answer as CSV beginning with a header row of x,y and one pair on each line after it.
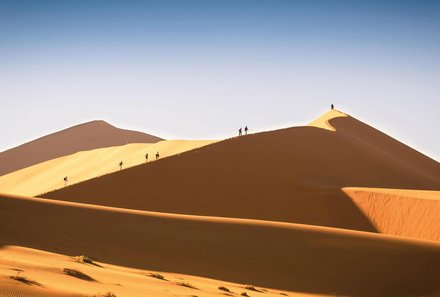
x,y
407,213
292,175
286,256
48,176
87,136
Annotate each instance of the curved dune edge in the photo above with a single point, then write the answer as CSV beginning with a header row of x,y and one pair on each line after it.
x,y
292,257
409,213
81,166
324,120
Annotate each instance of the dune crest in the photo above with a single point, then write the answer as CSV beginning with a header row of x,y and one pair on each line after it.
x,y
324,120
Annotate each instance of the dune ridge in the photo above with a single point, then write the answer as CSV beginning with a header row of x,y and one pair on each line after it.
x,y
82,137
48,176
309,259
292,175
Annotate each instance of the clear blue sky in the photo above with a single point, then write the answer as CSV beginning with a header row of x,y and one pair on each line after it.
x,y
201,69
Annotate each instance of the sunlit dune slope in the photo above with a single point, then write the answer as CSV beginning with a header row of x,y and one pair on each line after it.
x,y
270,254
411,213
50,271
292,175
87,136
48,176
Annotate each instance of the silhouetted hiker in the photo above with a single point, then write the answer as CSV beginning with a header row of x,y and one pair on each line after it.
x,y
332,106
245,130
120,165
65,180
146,157
239,132
157,155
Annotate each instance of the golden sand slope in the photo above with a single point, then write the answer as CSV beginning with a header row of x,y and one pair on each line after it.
x,y
87,136
52,272
411,213
48,176
285,256
292,175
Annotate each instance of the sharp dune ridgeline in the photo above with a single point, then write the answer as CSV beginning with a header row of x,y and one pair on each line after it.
x,y
292,175
87,136
334,208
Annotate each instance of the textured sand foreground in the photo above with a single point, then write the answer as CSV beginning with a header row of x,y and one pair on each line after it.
x,y
51,270
286,256
292,175
410,213
48,176
87,136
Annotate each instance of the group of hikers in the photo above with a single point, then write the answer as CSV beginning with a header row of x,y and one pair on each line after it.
x,y
245,131
121,164
146,160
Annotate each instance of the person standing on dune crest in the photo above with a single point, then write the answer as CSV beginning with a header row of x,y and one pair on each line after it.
x,y
157,155
332,106
245,130
146,157
239,132
120,165
65,181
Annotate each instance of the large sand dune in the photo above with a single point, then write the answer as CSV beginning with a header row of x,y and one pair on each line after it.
x,y
292,175
286,256
407,213
87,136
48,176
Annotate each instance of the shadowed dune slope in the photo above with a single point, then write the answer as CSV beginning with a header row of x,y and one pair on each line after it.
x,y
292,175
308,258
48,176
400,212
87,136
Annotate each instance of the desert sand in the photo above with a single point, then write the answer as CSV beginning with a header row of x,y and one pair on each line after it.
x,y
335,208
87,136
61,275
285,256
48,176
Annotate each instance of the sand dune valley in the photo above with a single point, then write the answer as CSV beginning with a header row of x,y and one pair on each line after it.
x,y
331,208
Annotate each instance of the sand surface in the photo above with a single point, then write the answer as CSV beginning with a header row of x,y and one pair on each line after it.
x,y
51,270
48,176
410,213
292,175
291,257
87,136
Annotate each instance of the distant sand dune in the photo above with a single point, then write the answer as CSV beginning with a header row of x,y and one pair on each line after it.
x,y
48,176
286,256
292,175
87,136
